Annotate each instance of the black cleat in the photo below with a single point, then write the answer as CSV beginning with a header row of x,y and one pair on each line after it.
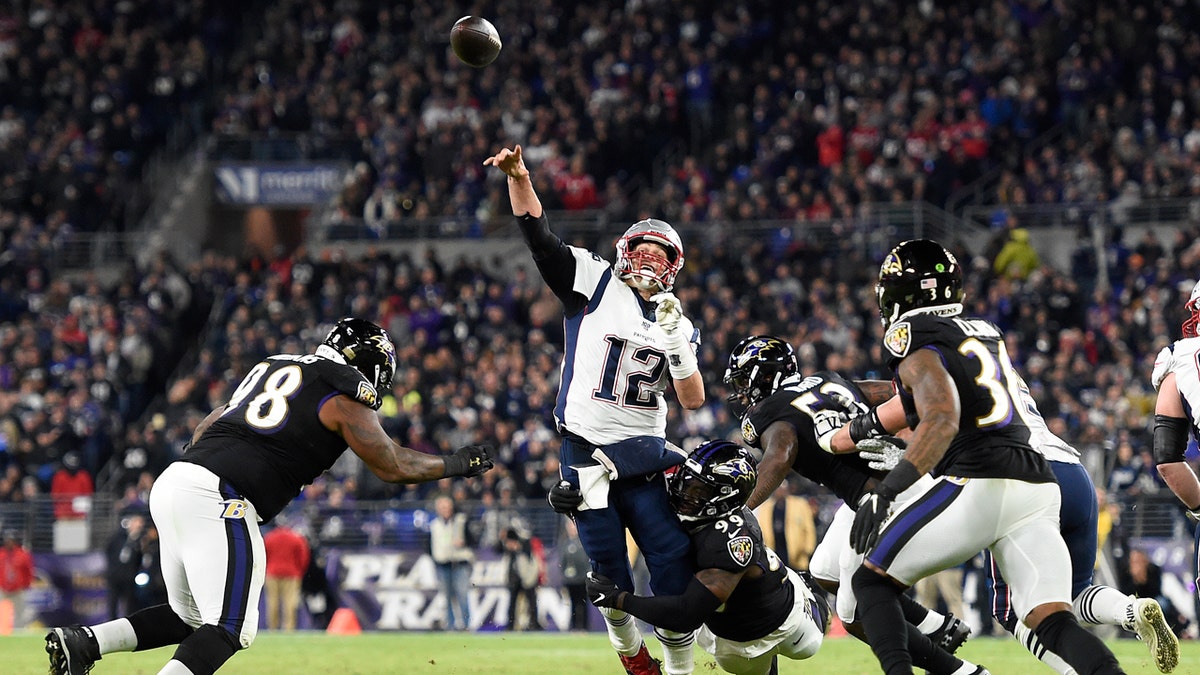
x,y
953,633
73,650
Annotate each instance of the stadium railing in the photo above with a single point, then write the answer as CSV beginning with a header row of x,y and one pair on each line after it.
x,y
405,524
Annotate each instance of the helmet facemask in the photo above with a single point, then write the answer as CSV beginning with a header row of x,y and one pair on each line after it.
x,y
645,269
1191,325
715,480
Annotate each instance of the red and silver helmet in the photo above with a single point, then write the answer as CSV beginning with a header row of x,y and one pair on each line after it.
x,y
1191,324
641,267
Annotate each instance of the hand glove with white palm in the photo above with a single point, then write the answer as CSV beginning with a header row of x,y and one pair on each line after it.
x,y
668,313
873,510
825,424
882,453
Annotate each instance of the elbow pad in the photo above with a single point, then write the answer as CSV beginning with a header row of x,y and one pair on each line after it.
x,y
1170,439
538,237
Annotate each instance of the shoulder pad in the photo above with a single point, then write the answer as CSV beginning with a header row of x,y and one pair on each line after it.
x,y
898,339
347,380
749,433
730,549
1162,366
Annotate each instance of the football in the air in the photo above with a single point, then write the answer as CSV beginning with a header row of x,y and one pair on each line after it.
x,y
475,41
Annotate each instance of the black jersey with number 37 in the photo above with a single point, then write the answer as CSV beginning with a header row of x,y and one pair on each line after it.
x,y
797,402
269,443
992,439
757,606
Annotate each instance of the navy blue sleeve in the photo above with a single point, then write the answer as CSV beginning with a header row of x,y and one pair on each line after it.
x,y
554,261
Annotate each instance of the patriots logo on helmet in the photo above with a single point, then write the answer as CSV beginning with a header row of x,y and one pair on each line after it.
x,y
898,338
741,549
737,468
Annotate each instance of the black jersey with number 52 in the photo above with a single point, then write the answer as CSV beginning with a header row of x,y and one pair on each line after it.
x,y
992,439
758,605
269,443
799,401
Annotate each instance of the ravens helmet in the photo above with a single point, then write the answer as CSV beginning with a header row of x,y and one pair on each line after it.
x,y
1191,324
631,265
367,348
756,367
918,273
715,480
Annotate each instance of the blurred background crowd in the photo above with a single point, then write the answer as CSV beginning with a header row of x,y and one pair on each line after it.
x,y
699,114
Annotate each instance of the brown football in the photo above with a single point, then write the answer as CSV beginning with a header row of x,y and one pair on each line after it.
x,y
475,41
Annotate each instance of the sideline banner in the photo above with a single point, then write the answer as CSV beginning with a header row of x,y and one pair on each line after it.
x,y
398,590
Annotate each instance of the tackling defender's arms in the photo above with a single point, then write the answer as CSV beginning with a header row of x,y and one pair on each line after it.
x,y
359,426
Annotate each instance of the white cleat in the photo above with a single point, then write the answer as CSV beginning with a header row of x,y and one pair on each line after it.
x,y
1151,627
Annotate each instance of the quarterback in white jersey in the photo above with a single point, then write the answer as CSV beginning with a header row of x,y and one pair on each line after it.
x,y
626,340
1177,410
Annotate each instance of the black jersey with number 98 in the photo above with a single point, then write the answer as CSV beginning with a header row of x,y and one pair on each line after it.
x,y
269,443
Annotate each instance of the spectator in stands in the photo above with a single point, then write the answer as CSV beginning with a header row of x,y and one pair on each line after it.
x,y
123,555
1018,258
1142,578
70,485
287,561
523,572
575,566
16,575
450,548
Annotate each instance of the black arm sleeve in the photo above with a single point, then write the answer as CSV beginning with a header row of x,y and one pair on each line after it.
x,y
553,259
680,613
1170,439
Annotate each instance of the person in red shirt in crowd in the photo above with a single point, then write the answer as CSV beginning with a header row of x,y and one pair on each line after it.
x,y
287,559
69,482
577,187
16,575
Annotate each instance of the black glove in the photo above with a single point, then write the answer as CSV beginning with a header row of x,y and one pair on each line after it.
x,y
602,591
872,511
469,461
565,499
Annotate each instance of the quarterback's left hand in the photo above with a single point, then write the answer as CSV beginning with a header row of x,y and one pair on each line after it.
x,y
882,453
873,509
601,591
668,312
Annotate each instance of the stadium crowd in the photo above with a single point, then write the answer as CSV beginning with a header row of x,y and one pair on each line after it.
x,y
822,113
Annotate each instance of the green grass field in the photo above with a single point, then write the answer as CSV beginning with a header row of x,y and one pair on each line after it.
x,y
524,654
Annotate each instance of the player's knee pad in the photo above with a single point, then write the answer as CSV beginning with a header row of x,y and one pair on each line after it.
x,y
158,626
207,649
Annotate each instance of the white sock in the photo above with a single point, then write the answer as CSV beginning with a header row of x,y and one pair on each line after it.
x,y
115,636
174,667
623,632
1103,605
931,623
1029,640
678,657
967,668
